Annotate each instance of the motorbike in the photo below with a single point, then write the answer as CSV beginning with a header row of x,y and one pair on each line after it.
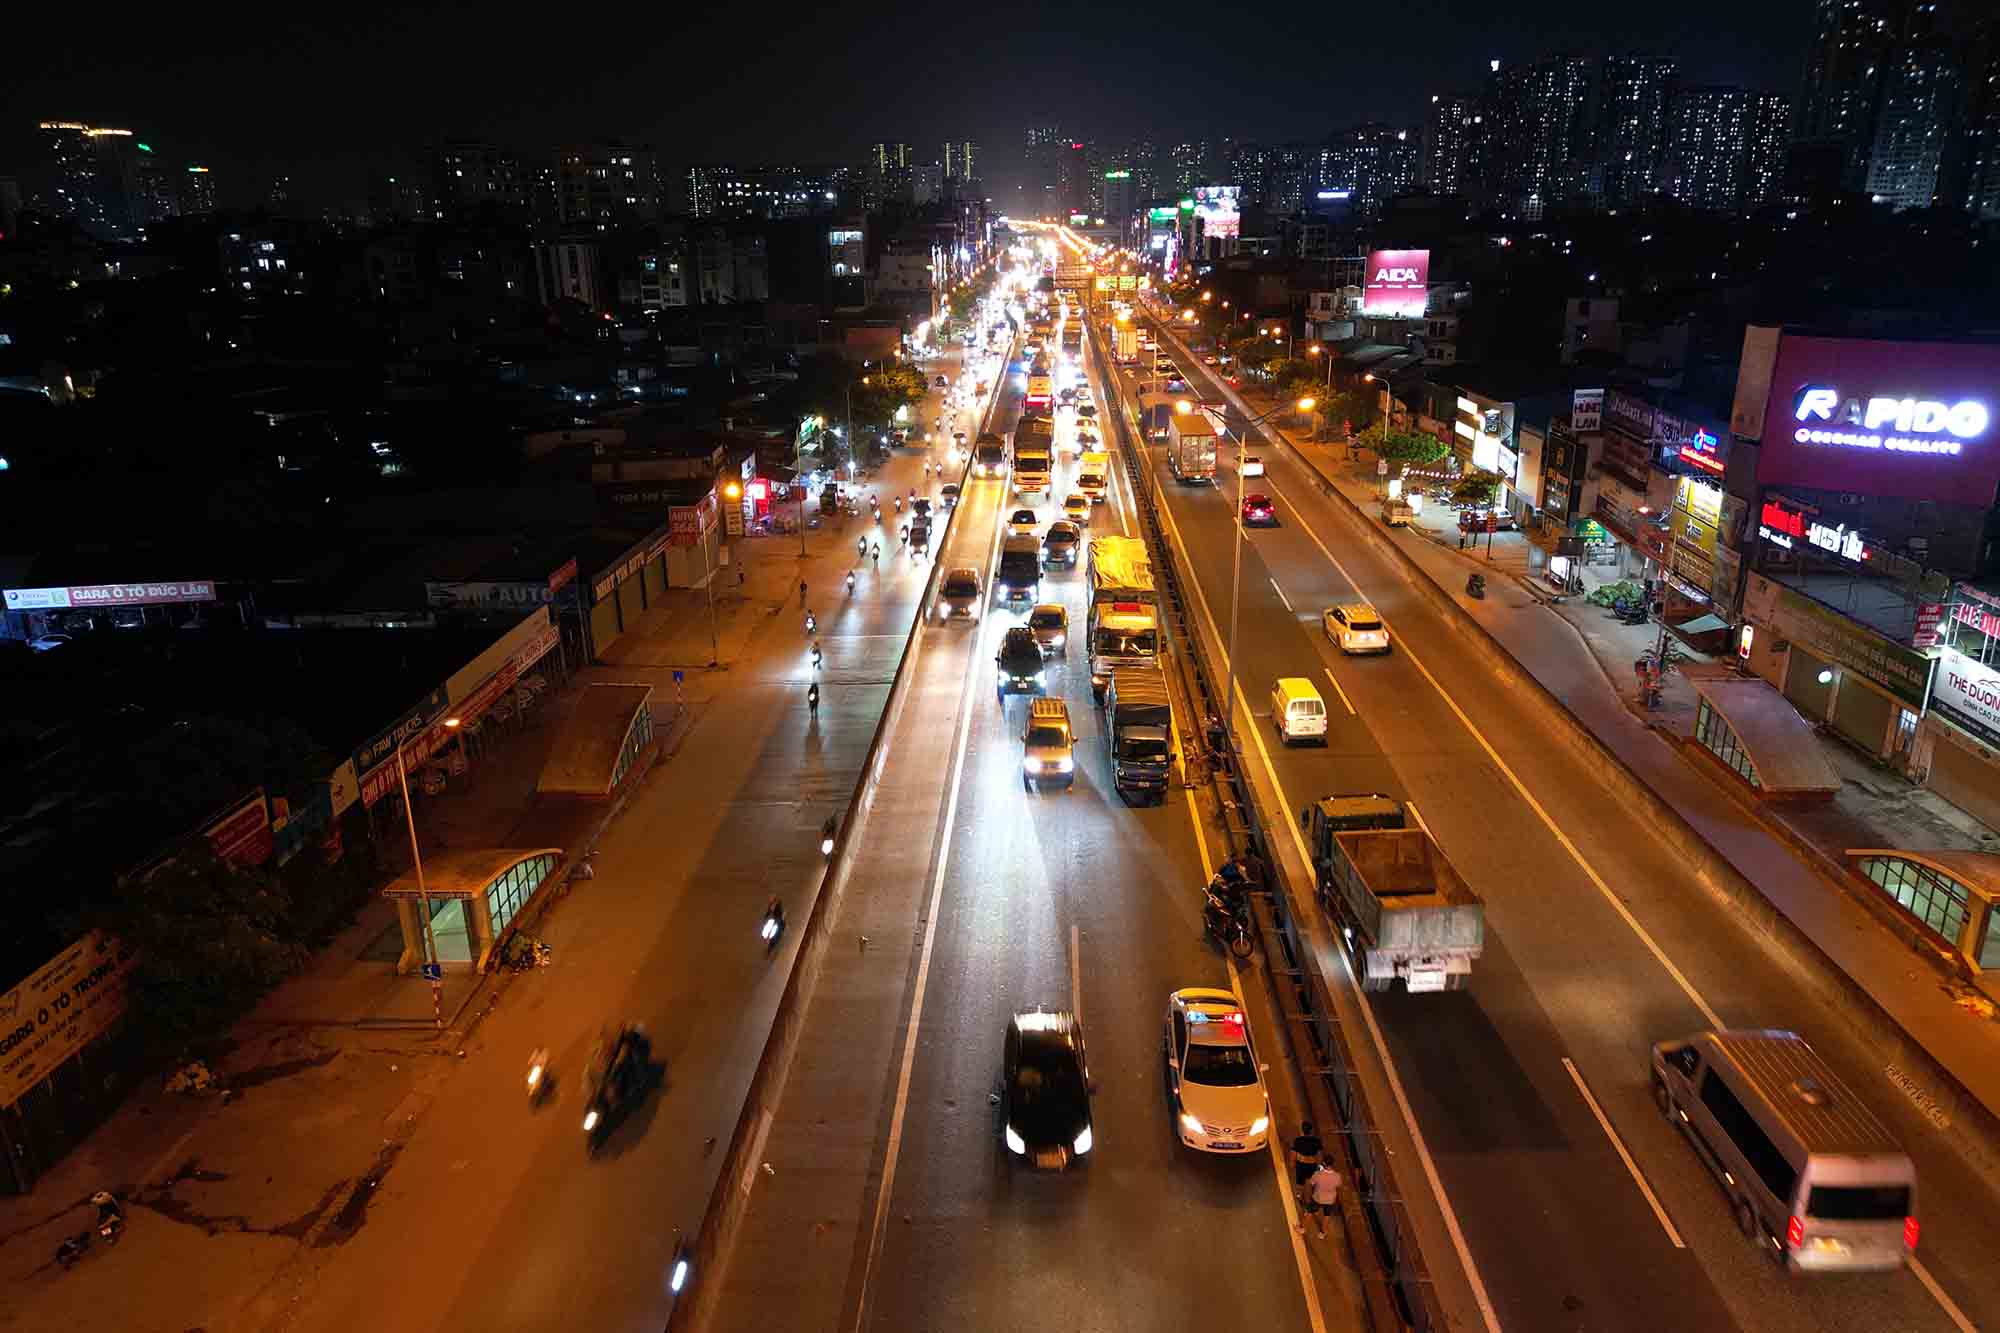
x,y
850,583
816,657
110,1225
773,925
525,953
812,623
538,1076
629,1074
861,546
1475,585
899,504
1226,926
826,832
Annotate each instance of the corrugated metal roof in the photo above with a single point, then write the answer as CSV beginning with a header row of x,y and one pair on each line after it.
x,y
1782,1067
1780,742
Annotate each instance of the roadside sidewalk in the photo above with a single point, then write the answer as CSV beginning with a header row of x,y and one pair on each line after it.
x,y
243,1202
1784,854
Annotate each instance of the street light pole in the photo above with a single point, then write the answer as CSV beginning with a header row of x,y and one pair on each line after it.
x,y
1236,563
432,964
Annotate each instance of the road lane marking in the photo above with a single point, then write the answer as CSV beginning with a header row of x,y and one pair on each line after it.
x,y
1395,1080
1666,1223
1288,603
893,1150
1548,822
1937,1293
1285,1199
1337,690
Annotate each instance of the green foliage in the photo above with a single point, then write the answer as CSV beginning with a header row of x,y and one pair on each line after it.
x,y
963,302
1297,377
1410,448
1352,406
1475,489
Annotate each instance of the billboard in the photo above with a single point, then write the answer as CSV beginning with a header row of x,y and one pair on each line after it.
x,y
93,595
59,1010
1216,206
1398,281
1913,421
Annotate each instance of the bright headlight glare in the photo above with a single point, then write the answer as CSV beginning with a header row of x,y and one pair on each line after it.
x,y
1083,1142
1190,1124
1015,1143
1260,1124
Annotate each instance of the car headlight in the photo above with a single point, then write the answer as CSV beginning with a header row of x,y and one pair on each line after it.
x,y
1031,765
1015,1143
1192,1125
1260,1124
1064,764
1083,1142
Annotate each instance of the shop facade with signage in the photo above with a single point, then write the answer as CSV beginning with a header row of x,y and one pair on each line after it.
x,y
1957,751
1869,688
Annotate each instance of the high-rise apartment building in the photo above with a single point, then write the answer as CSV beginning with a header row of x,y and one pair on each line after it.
x,y
1725,148
90,174
1454,147
159,193
1541,136
1188,165
1074,182
474,178
1630,125
781,191
1041,169
1916,124
1852,54
197,189
1982,122
961,160
602,186
892,173
1372,163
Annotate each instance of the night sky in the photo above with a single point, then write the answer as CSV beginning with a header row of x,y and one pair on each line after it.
x,y
328,93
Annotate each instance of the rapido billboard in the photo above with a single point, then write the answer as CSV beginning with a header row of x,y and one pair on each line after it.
x,y
1910,420
1397,283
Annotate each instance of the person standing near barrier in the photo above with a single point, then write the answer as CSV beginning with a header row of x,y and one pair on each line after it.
x,y
1306,1151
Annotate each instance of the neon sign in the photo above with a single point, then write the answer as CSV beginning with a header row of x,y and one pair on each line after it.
x,y
1899,425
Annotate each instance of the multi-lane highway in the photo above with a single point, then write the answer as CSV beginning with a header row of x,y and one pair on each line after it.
x,y
1598,944
1064,900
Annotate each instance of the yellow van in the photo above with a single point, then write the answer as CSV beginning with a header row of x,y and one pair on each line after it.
x,y
1297,710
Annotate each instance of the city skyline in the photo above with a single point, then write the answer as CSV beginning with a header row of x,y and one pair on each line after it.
x,y
1298,85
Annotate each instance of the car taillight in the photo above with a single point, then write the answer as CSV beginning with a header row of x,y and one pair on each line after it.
x,y
1909,1233
1795,1233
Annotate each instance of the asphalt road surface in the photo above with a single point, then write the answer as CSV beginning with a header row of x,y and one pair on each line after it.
x,y
1598,944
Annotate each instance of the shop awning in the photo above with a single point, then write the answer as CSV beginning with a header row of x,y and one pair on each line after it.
x,y
1780,742
1701,625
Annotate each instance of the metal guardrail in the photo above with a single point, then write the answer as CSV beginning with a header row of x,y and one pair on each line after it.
x,y
1397,1284
730,1195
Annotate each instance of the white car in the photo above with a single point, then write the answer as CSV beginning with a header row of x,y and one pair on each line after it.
x,y
1355,627
1077,509
1215,1085
1253,466
1022,521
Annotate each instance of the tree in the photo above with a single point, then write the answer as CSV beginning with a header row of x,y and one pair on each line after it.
x,y
1353,406
1411,449
192,768
963,302
210,940
1296,377
1475,489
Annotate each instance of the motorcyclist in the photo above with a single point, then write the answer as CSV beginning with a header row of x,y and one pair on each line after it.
x,y
110,1213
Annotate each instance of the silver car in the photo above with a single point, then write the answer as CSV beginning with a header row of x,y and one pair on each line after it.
x,y
1049,622
959,595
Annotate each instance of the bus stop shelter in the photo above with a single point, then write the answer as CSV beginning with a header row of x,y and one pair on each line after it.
x,y
1752,730
604,737
472,895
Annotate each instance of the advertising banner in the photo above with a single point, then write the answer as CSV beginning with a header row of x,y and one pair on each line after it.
x,y
1901,672
59,1010
1216,206
1586,410
89,596
1968,693
1398,283
1913,421
241,835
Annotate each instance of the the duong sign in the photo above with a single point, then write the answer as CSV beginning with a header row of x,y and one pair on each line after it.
x,y
1397,283
1968,692
1909,420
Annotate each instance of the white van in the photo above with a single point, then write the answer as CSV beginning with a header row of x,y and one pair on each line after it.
x,y
1815,1180
1092,470
1297,710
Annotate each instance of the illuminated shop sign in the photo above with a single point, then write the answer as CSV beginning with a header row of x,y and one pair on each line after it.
x,y
1781,525
1900,425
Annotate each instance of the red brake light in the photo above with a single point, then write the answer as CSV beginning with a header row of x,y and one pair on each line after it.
x,y
1910,1233
1795,1232
1126,606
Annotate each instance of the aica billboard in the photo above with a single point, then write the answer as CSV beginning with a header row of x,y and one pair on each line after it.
x,y
1909,420
1396,283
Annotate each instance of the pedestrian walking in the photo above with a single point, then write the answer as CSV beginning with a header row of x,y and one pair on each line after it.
x,y
802,592
1322,1197
1306,1151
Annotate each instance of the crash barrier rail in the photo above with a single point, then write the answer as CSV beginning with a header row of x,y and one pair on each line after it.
x,y
1394,1277
730,1195
1974,1127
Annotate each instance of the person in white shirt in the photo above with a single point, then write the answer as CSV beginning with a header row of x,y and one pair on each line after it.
x,y
1322,1196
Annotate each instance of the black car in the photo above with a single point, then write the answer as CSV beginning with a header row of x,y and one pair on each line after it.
x,y
1045,1090
1020,663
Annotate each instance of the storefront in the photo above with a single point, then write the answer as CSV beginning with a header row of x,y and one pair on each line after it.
x,y
1957,752
1835,670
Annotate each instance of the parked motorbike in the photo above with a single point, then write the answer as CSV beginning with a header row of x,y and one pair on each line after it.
x,y
110,1225
1475,585
525,953
1226,926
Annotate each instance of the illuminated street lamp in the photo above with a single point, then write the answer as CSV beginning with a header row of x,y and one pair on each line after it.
x,y
433,965
1236,567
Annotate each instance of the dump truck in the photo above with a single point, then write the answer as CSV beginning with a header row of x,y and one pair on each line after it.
x,y
1404,912
1191,446
1138,733
1124,617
